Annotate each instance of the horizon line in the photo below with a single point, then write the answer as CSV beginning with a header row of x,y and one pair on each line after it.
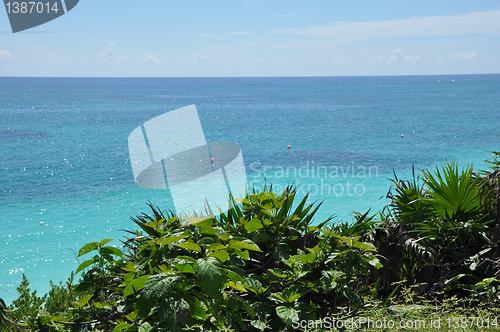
x,y
298,76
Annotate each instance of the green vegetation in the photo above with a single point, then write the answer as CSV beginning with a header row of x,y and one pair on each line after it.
x,y
431,256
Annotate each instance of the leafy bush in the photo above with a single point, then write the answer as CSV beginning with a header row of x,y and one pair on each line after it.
x,y
259,267
440,226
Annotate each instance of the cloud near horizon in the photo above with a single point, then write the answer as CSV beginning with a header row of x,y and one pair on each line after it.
x,y
198,56
53,58
473,23
465,56
4,55
109,55
396,57
151,58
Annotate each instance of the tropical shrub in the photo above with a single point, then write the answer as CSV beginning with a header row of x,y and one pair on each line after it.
x,y
439,231
259,267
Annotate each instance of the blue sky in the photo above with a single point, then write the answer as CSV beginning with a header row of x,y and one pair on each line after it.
x,y
203,38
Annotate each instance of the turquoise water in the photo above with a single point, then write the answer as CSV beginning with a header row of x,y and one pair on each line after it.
x,y
64,157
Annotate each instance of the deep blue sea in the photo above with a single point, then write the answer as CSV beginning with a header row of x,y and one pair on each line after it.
x,y
66,179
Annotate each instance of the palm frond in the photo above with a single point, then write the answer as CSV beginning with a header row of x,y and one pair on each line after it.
x,y
453,194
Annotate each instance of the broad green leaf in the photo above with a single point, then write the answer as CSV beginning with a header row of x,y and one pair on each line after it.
x,y
293,293
188,258
134,315
222,255
253,225
135,285
103,242
111,251
254,285
208,230
172,239
145,327
209,277
128,277
84,265
129,267
88,248
159,286
364,246
164,269
219,232
278,297
196,308
265,195
307,258
122,327
201,222
243,254
190,246
237,286
278,273
83,301
258,324
216,246
287,315
248,244
206,240
231,275
184,268
376,263
224,236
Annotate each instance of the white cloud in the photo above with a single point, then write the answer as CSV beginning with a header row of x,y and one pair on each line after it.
x,y
198,56
151,58
465,56
109,55
4,55
396,57
54,58
473,23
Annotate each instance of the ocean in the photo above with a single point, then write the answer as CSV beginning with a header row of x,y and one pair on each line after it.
x,y
66,177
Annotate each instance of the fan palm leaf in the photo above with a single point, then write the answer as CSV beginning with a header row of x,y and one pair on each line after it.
x,y
453,194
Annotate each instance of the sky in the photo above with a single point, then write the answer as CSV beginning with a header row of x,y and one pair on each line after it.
x,y
242,38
